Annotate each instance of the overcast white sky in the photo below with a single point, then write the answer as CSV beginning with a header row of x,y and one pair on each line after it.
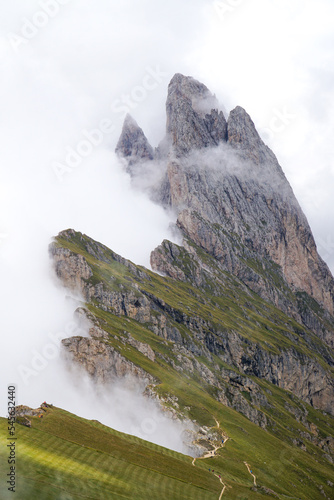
x,y
68,65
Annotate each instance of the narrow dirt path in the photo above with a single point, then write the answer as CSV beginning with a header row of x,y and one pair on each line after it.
x,y
212,453
251,473
224,487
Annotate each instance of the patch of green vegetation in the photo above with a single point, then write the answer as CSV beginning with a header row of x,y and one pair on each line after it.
x,y
246,395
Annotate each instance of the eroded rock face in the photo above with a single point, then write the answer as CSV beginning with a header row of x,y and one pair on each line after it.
x,y
100,359
300,375
71,268
102,362
303,376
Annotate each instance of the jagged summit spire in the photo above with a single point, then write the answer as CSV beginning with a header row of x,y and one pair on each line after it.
x,y
133,143
193,117
243,136
129,121
187,86
256,203
194,121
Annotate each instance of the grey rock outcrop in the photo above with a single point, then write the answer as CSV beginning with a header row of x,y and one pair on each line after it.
x,y
193,116
102,362
133,144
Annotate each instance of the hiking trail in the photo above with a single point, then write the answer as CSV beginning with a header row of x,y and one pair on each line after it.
x,y
251,473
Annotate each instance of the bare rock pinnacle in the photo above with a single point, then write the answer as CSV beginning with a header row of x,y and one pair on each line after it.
x,y
193,116
132,143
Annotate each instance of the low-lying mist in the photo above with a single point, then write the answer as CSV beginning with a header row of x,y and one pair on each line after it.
x,y
38,200
36,311
121,405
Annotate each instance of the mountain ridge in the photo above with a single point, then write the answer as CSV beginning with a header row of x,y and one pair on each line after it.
x,y
236,320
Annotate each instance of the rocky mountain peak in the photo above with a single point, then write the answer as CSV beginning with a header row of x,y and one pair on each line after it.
x,y
239,313
186,86
194,120
221,180
133,143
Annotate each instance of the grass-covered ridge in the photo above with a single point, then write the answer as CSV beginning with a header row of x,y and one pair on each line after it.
x,y
233,309
290,457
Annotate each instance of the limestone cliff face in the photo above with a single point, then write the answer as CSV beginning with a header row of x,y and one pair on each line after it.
x,y
100,359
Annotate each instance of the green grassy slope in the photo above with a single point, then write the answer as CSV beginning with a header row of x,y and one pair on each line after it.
x,y
232,308
63,456
66,457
